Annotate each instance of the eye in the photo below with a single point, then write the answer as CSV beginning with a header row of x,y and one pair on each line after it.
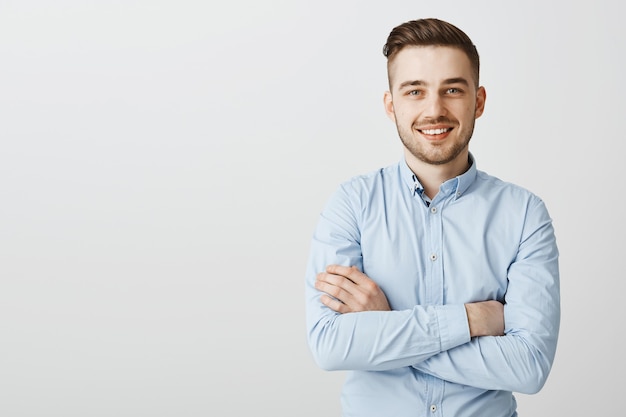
x,y
414,93
453,90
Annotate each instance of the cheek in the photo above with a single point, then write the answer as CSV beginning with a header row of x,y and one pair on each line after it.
x,y
468,112
403,119
405,113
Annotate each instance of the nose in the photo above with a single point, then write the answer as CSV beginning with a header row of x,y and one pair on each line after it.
x,y
434,107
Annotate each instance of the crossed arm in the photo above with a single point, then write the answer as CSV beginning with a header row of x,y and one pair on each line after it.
x,y
484,344
513,354
352,291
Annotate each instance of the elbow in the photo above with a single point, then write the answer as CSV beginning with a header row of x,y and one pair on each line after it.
x,y
531,387
532,364
325,358
326,349
532,379
327,365
535,381
323,344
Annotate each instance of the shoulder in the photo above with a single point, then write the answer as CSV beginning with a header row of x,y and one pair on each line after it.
x,y
510,195
370,181
498,186
358,190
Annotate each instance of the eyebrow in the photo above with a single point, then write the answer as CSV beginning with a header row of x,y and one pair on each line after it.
x,y
456,80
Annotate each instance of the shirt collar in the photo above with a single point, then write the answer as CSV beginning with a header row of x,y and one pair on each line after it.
x,y
457,185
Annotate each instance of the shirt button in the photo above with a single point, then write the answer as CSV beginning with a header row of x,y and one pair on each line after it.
x,y
433,210
433,256
433,408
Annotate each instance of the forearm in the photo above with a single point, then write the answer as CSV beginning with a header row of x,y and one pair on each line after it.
x,y
380,340
521,359
383,341
495,363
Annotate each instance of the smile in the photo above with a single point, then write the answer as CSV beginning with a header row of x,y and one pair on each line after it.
x,y
435,131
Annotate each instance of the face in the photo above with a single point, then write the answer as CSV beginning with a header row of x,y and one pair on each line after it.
x,y
434,102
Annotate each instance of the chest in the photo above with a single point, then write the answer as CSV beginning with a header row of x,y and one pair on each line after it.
x,y
446,254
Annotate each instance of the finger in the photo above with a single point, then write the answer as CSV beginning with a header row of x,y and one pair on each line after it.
x,y
338,280
350,272
334,304
334,290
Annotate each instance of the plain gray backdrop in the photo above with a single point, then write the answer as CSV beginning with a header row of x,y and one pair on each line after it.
x,y
163,164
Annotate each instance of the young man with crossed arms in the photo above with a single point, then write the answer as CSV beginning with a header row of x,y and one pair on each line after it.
x,y
434,284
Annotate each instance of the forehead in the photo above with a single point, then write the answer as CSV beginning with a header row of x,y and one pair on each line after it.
x,y
430,64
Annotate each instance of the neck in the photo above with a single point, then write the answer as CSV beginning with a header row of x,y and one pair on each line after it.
x,y
432,176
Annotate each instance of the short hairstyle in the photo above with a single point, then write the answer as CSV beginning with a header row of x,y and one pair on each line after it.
x,y
431,32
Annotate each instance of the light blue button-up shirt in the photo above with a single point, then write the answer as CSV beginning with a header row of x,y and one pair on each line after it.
x,y
479,239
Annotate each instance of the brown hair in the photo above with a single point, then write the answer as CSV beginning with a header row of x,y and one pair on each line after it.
x,y
431,32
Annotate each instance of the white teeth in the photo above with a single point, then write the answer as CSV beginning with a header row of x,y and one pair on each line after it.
x,y
435,131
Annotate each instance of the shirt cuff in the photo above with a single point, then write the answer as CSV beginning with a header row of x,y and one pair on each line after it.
x,y
453,325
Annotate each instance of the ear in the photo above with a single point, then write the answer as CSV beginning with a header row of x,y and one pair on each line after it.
x,y
388,102
481,97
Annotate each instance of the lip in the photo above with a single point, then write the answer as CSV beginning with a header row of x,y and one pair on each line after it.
x,y
435,137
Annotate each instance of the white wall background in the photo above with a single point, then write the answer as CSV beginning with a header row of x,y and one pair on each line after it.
x,y
163,163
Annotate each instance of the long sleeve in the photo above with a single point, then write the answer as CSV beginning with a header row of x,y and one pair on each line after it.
x,y
369,340
478,239
521,360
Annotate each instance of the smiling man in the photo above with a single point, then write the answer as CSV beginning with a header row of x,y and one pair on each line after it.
x,y
434,284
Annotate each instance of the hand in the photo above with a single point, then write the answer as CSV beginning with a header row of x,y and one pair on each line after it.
x,y
353,291
485,318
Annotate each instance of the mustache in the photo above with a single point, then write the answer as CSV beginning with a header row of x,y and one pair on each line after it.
x,y
429,122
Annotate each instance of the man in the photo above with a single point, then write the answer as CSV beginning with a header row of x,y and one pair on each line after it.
x,y
433,283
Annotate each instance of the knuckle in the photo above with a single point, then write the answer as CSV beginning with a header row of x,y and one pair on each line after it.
x,y
334,291
371,287
342,308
